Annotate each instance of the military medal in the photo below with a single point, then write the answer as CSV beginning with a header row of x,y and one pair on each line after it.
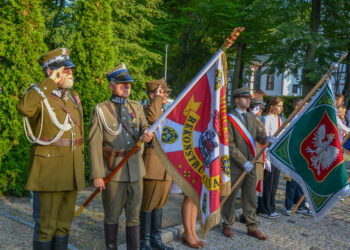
x,y
65,98
132,120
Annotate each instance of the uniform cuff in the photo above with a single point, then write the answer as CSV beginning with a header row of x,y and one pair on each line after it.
x,y
157,100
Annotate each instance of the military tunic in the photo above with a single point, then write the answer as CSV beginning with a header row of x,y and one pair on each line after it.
x,y
239,155
157,182
56,170
125,188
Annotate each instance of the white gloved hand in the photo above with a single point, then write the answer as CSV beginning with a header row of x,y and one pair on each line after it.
x,y
271,139
267,164
255,110
248,166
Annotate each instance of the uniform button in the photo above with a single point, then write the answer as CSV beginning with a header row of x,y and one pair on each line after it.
x,y
114,124
123,109
123,118
48,155
44,88
128,142
127,133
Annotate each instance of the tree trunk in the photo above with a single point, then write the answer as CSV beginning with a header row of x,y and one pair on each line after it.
x,y
346,90
311,48
238,68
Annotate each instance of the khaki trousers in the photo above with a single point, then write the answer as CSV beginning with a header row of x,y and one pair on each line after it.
x,y
53,213
122,195
248,188
155,194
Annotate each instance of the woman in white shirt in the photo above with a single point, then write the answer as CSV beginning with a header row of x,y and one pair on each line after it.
x,y
271,121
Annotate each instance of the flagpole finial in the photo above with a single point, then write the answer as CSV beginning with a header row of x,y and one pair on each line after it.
x,y
232,37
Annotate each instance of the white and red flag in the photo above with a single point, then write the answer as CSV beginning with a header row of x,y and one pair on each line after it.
x,y
192,140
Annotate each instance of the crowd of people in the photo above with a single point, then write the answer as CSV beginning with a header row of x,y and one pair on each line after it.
x,y
54,125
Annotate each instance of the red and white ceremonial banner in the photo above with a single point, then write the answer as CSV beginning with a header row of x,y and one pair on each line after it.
x,y
192,140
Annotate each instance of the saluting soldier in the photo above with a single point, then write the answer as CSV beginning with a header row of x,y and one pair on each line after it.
x,y
53,119
115,127
243,131
156,182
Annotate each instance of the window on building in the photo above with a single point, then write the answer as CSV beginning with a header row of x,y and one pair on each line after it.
x,y
295,89
270,81
257,77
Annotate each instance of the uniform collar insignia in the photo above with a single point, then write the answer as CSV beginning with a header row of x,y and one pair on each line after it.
x,y
57,92
118,100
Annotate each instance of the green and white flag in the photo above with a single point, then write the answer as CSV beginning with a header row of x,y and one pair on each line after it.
x,y
309,150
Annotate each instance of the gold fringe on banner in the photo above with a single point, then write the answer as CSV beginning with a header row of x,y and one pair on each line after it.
x,y
224,64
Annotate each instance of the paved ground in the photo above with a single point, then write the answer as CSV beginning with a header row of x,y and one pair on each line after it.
x,y
295,232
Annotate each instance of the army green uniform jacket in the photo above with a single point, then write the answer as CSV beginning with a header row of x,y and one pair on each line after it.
x,y
106,131
154,167
238,148
53,167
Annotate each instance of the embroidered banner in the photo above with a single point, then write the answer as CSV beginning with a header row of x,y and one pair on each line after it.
x,y
309,150
193,141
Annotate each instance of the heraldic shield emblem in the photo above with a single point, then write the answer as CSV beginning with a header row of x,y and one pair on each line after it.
x,y
321,148
208,140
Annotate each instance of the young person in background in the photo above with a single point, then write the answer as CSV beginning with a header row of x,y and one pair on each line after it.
x,y
272,122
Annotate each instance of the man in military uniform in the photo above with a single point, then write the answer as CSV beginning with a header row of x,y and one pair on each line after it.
x,y
156,182
53,119
115,127
243,131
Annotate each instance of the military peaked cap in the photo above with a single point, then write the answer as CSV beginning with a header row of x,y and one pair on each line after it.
x,y
56,59
241,92
257,101
119,74
151,86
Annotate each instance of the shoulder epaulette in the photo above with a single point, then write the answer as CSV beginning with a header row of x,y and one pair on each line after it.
x,y
33,86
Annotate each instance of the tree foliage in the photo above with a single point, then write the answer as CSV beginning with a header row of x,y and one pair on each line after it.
x,y
21,44
294,34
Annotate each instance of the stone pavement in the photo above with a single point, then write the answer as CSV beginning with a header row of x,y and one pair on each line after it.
x,y
298,231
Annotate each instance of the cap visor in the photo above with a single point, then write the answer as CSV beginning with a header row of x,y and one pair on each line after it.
x,y
69,64
65,63
123,78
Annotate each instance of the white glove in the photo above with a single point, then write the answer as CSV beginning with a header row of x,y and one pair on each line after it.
x,y
248,166
271,139
267,164
255,110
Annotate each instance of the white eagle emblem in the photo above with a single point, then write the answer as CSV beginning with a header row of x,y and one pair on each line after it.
x,y
64,52
324,154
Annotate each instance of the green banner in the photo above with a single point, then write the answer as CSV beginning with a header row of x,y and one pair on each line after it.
x,y
309,150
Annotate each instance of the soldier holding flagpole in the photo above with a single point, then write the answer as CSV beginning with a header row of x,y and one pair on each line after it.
x,y
115,127
243,131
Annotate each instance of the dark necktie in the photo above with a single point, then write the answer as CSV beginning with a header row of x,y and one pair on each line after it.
x,y
245,119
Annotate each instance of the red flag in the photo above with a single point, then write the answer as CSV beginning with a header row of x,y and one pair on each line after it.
x,y
192,136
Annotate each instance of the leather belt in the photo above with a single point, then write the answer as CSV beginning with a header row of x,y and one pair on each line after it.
x,y
64,142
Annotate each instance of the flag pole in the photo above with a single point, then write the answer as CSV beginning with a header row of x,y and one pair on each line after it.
x,y
290,117
298,204
109,177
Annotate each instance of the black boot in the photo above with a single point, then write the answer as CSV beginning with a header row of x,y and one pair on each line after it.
x,y
133,237
60,242
156,231
111,236
42,245
145,221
